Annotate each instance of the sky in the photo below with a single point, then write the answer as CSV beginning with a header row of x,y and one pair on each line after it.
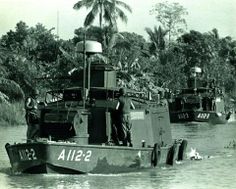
x,y
203,15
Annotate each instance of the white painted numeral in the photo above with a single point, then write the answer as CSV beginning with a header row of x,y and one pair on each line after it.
x,y
78,156
88,155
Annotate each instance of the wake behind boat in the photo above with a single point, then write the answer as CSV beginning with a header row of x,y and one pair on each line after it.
x,y
79,130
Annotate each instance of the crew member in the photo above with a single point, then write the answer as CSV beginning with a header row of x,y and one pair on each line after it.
x,y
123,107
32,116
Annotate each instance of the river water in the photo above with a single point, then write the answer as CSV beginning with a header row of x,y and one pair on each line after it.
x,y
217,169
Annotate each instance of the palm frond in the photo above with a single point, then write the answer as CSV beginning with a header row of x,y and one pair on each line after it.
x,y
124,5
91,16
107,15
121,14
150,32
79,5
83,3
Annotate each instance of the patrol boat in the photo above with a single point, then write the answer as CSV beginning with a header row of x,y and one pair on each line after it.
x,y
200,102
78,129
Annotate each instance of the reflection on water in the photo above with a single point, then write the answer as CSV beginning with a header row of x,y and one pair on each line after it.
x,y
216,170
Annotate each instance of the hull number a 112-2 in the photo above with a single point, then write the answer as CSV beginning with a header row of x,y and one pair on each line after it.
x,y
75,155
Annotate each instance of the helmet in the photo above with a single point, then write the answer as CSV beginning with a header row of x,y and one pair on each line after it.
x,y
35,92
122,91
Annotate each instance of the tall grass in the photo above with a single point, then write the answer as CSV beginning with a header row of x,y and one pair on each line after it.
x,y
12,114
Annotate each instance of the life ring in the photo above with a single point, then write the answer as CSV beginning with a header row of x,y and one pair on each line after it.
x,y
182,149
156,154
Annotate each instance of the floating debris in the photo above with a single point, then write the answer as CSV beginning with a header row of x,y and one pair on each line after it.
x,y
194,155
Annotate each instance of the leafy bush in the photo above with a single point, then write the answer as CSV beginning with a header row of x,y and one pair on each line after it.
x,y
12,114
11,89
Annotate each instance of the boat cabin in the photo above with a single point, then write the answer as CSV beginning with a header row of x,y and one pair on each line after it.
x,y
65,116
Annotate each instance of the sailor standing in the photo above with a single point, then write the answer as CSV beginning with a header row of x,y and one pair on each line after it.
x,y
123,107
32,116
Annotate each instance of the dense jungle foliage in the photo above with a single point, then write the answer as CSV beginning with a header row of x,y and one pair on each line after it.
x,y
30,53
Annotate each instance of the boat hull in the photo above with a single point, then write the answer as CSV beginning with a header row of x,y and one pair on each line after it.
x,y
197,116
70,158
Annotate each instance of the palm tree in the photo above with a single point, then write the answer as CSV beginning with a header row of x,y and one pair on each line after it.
x,y
157,37
109,10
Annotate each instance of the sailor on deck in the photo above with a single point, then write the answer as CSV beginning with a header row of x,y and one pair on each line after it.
x,y
31,116
123,107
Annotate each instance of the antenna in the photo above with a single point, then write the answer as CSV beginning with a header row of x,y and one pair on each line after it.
x,y
57,24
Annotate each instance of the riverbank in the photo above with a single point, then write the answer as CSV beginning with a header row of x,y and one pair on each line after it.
x,y
12,114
